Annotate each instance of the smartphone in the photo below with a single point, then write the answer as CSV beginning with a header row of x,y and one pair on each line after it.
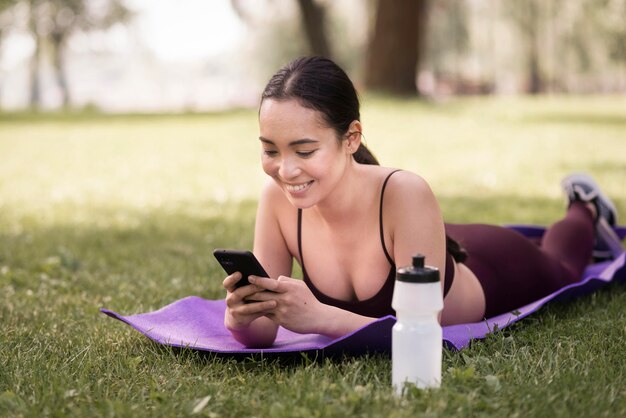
x,y
242,261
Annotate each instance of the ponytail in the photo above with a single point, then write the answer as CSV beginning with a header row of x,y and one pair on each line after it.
x,y
364,156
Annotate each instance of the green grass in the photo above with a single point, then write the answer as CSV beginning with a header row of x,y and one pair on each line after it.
x,y
123,212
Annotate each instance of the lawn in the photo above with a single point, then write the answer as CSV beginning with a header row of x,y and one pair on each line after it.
x,y
123,212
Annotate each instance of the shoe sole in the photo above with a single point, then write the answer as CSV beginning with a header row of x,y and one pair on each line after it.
x,y
613,243
587,179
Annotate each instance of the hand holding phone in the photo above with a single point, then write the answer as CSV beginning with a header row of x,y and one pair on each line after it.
x,y
242,261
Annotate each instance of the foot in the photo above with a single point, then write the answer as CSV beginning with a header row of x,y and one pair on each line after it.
x,y
582,188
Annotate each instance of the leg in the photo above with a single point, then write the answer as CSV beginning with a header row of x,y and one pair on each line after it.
x,y
512,270
571,239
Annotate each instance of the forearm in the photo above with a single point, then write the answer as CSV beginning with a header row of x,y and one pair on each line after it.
x,y
260,333
336,322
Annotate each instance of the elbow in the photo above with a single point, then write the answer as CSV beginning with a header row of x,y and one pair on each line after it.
x,y
257,341
256,336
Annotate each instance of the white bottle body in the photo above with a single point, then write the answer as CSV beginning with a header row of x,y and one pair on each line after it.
x,y
416,343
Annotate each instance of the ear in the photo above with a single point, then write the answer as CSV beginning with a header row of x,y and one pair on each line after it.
x,y
354,135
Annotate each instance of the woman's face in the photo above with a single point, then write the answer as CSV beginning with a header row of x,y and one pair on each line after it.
x,y
300,152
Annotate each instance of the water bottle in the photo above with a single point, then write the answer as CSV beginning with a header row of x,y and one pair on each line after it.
x,y
416,341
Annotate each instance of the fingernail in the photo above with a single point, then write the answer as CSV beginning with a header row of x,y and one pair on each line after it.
x,y
251,279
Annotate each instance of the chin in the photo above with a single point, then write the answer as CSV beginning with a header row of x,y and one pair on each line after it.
x,y
300,203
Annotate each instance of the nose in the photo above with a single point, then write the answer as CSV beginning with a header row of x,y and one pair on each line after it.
x,y
289,168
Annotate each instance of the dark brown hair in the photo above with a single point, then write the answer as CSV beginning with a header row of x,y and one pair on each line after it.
x,y
320,84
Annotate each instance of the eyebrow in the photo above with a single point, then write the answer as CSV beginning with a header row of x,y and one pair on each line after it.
x,y
292,143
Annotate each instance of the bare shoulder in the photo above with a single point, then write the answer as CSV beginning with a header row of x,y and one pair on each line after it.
x,y
413,221
409,202
272,195
406,188
273,204
270,190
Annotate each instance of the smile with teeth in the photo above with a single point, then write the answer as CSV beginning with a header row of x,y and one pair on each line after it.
x,y
297,187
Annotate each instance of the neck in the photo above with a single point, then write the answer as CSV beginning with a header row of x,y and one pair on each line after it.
x,y
344,204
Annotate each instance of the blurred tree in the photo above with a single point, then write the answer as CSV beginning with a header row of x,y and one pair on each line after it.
x,y
603,21
528,17
396,46
583,41
5,5
314,20
613,21
314,23
52,23
5,19
447,40
62,18
35,63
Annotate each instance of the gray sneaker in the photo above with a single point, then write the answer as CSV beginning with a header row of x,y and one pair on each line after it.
x,y
581,187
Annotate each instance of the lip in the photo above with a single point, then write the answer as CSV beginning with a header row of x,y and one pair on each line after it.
x,y
297,188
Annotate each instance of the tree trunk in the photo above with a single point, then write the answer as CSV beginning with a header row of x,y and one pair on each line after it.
x,y
314,20
58,61
533,14
1,84
396,46
35,65
534,76
535,82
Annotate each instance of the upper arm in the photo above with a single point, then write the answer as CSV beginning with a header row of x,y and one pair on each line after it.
x,y
270,246
411,209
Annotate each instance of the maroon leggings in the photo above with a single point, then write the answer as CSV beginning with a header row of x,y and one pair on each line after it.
x,y
514,271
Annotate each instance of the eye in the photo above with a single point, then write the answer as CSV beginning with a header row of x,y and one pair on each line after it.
x,y
270,153
305,154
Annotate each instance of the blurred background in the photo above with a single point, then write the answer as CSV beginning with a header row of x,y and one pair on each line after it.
x,y
198,55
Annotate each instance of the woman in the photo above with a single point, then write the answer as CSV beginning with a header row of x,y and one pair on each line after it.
x,y
349,222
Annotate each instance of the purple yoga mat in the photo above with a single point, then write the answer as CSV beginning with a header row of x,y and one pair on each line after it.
x,y
197,323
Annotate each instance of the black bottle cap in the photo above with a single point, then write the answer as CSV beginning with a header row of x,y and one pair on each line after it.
x,y
418,272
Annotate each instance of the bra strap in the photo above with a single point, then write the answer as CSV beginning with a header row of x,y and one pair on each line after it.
x,y
380,218
300,243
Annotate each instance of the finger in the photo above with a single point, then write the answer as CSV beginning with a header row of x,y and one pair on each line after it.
x,y
245,291
265,283
257,308
233,300
237,295
238,319
261,296
230,281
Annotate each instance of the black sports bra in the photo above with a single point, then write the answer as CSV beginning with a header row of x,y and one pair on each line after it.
x,y
378,305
